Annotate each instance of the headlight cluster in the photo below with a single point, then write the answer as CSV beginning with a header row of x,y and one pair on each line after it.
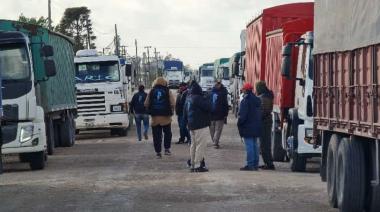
x,y
309,133
117,108
26,133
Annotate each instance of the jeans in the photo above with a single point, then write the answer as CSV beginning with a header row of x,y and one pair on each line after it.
x,y
252,152
183,131
157,137
141,118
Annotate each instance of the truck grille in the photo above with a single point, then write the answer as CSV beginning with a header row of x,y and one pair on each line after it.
x,y
91,103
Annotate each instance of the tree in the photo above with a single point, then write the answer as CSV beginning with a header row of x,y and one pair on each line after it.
x,y
76,23
41,21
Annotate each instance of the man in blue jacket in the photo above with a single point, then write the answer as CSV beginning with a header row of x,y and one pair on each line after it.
x,y
249,125
197,116
219,112
141,114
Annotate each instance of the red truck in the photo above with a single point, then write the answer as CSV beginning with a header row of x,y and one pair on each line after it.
x,y
266,36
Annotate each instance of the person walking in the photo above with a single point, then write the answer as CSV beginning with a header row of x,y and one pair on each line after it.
x,y
219,112
138,109
160,105
180,102
249,125
266,97
197,117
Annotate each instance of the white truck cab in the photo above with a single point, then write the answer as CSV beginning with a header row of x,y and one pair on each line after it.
x,y
206,77
101,96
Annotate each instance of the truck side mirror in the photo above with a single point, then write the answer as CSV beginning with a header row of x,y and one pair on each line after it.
x,y
50,69
309,106
128,70
286,60
47,51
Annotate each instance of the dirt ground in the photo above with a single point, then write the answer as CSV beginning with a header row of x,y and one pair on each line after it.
x,y
103,173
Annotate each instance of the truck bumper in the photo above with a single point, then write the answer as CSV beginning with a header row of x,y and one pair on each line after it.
x,y
303,146
109,121
36,143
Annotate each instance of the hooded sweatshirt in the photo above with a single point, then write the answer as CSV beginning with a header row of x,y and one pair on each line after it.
x,y
219,103
162,120
197,109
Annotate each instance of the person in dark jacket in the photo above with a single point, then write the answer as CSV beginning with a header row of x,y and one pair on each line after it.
x,y
219,111
197,117
180,102
266,97
160,105
249,125
141,115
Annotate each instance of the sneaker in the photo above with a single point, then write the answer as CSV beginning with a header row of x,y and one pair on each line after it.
x,y
201,169
146,136
158,156
188,163
179,142
167,152
188,141
266,167
247,168
216,146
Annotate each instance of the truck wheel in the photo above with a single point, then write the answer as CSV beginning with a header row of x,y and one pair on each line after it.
x,y
277,151
332,152
114,132
297,162
50,136
351,176
67,132
37,160
24,157
122,132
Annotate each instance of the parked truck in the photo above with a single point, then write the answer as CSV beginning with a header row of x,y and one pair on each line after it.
x,y
346,101
206,76
173,72
101,93
38,87
265,37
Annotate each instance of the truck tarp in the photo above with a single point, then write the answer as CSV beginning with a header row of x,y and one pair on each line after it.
x,y
351,29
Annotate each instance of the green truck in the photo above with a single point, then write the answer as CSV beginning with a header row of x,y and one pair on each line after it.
x,y
38,87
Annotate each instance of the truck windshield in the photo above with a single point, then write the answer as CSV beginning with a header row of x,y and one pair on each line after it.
x,y
207,73
97,72
14,62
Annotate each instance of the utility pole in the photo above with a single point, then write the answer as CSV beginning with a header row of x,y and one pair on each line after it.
x,y
155,55
49,14
137,66
117,46
88,35
147,71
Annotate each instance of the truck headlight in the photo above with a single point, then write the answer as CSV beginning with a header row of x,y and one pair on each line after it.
x,y
26,133
309,133
117,108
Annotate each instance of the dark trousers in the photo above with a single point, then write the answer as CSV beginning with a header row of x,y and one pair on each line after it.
x,y
183,131
157,137
266,144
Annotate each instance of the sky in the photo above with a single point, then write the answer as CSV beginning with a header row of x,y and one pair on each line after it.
x,y
195,31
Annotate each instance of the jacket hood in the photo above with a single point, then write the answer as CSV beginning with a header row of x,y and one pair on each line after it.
x,y
160,81
195,89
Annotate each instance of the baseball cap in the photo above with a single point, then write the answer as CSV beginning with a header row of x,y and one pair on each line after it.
x,y
247,86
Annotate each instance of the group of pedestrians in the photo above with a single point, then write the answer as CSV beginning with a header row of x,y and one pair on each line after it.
x,y
202,116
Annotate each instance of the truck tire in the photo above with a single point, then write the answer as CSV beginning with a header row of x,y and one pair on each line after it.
x,y
297,162
123,132
351,176
37,160
50,136
67,132
278,152
332,153
23,157
57,133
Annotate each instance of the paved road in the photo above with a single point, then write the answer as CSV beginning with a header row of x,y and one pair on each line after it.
x,y
103,173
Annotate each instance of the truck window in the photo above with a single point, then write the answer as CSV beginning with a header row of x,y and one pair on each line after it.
x,y
14,62
226,73
97,72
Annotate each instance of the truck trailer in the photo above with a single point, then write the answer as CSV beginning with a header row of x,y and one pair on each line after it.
x,y
346,101
37,68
